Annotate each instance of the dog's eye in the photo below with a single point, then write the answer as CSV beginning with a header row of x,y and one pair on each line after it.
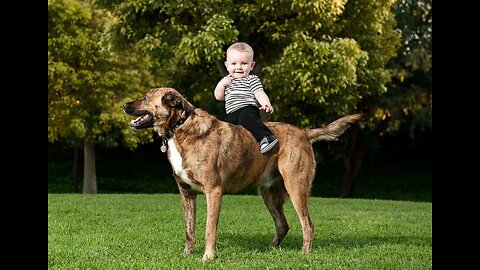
x,y
145,97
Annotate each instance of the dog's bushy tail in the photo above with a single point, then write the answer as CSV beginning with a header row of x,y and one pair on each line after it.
x,y
332,131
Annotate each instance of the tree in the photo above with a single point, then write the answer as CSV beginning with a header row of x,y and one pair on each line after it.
x,y
327,55
408,103
186,38
88,82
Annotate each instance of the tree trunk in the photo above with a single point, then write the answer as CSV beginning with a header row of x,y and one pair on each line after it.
x,y
89,171
350,163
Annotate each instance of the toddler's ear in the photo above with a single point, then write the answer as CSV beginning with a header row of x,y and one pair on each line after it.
x,y
253,64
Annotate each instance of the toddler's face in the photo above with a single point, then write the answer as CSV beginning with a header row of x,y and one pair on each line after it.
x,y
239,64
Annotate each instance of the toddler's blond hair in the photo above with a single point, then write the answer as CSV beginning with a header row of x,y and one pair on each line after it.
x,y
241,47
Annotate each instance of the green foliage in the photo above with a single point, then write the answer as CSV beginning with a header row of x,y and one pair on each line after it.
x,y
184,38
328,55
88,82
209,42
180,32
111,231
408,103
317,74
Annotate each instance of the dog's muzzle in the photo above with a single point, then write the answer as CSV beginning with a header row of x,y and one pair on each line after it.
x,y
144,119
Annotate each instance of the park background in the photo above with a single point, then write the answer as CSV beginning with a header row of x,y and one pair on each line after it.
x,y
318,60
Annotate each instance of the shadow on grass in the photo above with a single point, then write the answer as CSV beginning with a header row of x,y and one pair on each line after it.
x,y
261,242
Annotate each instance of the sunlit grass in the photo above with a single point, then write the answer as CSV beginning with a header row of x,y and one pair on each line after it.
x,y
138,231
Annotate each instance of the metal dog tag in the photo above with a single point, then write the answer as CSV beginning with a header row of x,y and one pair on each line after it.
x,y
163,148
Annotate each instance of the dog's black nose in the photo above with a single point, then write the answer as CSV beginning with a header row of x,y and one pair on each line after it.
x,y
125,107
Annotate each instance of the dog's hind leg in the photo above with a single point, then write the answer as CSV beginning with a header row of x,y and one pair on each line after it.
x,y
300,203
274,198
298,183
189,201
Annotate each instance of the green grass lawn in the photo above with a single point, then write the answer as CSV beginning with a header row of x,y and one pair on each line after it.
x,y
146,231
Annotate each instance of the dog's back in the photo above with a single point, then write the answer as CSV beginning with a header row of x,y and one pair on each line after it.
x,y
232,151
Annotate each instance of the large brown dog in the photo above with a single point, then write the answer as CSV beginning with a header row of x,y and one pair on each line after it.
x,y
214,157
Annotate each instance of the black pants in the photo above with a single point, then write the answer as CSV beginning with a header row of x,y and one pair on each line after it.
x,y
249,118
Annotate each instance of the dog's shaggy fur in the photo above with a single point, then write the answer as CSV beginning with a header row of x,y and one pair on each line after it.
x,y
215,157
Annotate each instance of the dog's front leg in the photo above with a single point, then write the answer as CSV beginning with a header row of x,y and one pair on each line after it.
x,y
189,201
214,201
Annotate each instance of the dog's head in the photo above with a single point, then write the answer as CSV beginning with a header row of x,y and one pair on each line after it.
x,y
160,108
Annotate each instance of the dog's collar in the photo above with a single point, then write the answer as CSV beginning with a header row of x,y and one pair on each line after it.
x,y
169,134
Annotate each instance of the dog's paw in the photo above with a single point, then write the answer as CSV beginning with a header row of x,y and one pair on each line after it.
x,y
206,257
188,250
306,249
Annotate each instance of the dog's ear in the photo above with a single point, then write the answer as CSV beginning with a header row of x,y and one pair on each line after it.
x,y
173,99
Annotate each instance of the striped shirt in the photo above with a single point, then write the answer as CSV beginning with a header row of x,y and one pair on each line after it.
x,y
241,93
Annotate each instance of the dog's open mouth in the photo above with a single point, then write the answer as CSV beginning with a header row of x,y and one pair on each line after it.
x,y
145,120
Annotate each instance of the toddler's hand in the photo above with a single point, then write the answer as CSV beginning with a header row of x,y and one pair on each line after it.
x,y
226,81
267,108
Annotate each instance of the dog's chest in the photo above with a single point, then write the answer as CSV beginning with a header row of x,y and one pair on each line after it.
x,y
177,164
